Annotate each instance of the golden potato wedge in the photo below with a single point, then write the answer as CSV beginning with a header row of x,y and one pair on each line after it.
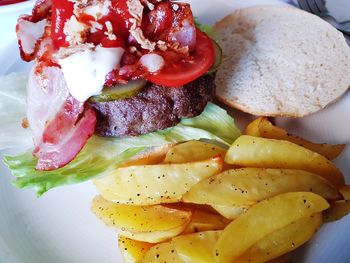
x,y
246,186
151,224
196,247
204,218
249,151
193,151
345,192
262,127
229,211
153,156
192,207
163,252
155,184
203,221
132,251
264,218
338,210
287,258
283,240
253,128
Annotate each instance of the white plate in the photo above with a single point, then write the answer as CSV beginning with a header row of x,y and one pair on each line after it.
x,y
59,227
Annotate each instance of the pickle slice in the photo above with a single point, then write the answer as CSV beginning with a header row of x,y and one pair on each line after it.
x,y
218,58
120,91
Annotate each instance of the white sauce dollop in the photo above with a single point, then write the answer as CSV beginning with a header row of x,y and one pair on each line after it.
x,y
85,71
153,62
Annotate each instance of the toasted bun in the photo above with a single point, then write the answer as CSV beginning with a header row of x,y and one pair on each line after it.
x,y
280,61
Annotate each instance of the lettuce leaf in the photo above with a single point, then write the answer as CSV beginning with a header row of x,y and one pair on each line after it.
x,y
13,111
101,155
208,29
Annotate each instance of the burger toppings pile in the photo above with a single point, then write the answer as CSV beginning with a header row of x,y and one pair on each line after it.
x,y
94,56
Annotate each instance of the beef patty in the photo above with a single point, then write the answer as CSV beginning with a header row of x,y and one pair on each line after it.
x,y
154,108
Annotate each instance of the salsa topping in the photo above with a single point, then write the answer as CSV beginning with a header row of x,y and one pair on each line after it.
x,y
82,47
164,28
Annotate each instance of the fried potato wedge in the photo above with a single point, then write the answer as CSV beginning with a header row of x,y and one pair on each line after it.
x,y
193,151
153,156
286,258
249,151
338,210
132,251
196,247
264,218
345,192
246,186
155,184
163,252
262,127
230,211
282,240
192,207
151,224
203,221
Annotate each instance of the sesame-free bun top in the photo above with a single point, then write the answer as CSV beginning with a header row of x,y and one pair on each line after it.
x,y
280,61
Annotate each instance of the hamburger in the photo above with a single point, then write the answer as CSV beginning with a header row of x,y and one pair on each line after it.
x,y
114,68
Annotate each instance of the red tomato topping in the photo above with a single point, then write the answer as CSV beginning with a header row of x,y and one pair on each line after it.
x,y
158,20
118,42
62,11
180,71
172,23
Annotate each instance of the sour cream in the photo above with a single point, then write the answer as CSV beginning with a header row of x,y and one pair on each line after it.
x,y
153,62
85,71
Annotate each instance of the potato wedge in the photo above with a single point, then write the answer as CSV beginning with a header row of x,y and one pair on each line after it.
x,y
196,247
264,218
193,151
153,156
246,186
155,184
163,252
253,128
286,258
132,251
192,207
151,224
202,221
337,211
249,151
282,240
229,211
262,127
345,192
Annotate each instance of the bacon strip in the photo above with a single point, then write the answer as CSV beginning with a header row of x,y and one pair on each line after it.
x,y
66,145
60,125
30,29
29,35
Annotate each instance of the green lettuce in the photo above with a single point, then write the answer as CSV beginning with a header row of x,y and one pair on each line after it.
x,y
208,29
102,155
13,111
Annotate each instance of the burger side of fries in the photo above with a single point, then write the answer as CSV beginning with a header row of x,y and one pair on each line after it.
x,y
257,201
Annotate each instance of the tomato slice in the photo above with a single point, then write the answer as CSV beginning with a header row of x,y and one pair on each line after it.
x,y
186,70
